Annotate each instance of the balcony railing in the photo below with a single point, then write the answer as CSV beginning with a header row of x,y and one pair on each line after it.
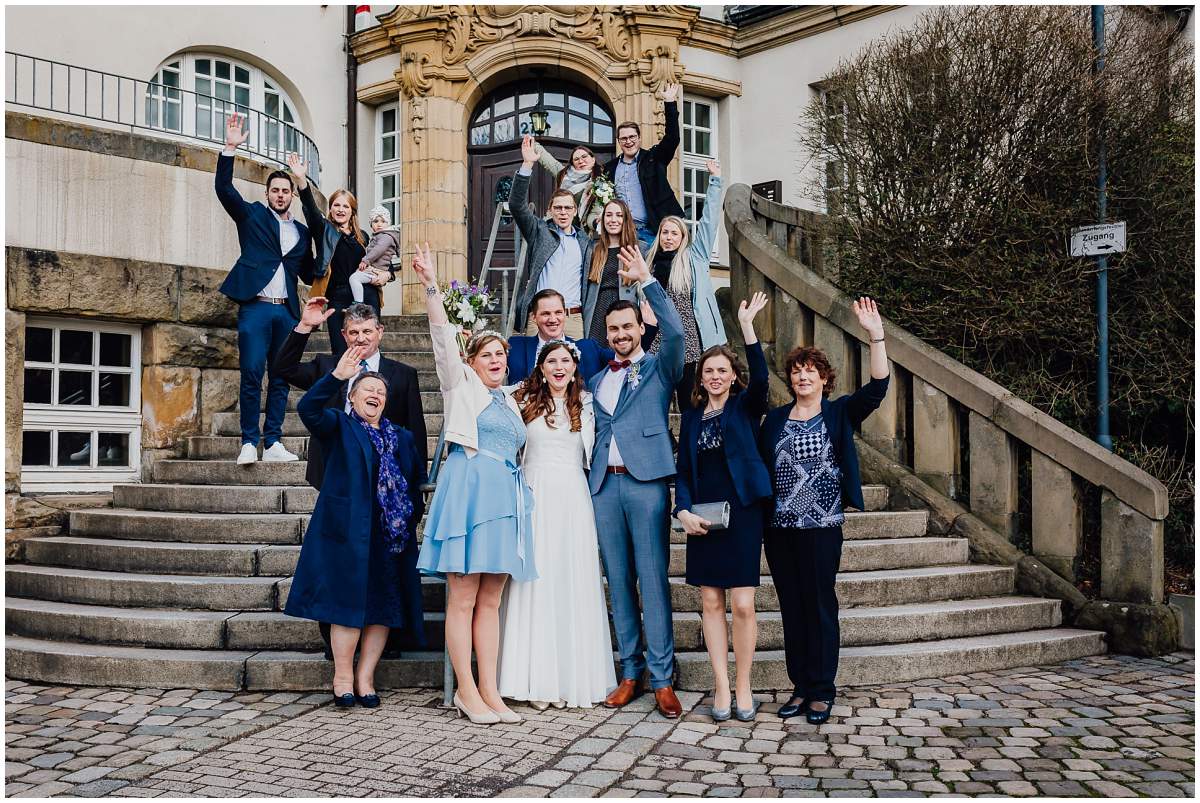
x,y
169,111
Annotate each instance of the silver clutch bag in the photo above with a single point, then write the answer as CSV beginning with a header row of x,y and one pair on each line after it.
x,y
715,512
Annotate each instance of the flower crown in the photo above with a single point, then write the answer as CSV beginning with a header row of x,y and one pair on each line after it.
x,y
567,344
480,335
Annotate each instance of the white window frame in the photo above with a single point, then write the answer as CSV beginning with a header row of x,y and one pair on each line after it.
x,y
95,418
385,168
693,162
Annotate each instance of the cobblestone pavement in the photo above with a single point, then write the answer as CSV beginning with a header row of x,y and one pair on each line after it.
x,y
1108,726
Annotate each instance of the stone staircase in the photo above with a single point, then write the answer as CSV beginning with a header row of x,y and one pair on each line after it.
x,y
181,584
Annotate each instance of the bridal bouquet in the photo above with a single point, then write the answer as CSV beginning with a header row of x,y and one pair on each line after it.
x,y
464,305
603,190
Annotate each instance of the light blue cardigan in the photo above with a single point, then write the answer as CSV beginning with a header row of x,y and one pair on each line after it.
x,y
704,298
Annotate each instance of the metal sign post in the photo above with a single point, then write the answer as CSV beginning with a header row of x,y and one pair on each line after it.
x,y
1103,436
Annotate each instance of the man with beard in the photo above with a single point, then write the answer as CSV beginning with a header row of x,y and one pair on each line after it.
x,y
276,250
631,464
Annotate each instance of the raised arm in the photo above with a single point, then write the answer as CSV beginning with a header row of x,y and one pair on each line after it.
x,y
287,360
308,202
546,160
518,198
227,194
664,151
756,391
319,419
446,358
704,235
864,400
670,327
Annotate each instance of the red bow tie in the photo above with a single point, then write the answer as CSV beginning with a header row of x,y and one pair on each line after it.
x,y
617,365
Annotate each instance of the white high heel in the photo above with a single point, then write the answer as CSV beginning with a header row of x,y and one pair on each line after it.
x,y
507,717
490,718
538,705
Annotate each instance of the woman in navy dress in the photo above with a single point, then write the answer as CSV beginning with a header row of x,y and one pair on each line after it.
x,y
719,462
809,447
358,566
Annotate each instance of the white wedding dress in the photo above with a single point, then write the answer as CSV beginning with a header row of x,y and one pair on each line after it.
x,y
555,644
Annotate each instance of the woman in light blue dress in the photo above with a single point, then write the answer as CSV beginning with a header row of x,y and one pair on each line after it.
x,y
478,532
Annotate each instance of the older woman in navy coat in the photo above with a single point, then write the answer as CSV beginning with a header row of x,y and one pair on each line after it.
x,y
358,566
719,462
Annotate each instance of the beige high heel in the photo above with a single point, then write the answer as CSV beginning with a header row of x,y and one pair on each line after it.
x,y
490,718
508,717
538,705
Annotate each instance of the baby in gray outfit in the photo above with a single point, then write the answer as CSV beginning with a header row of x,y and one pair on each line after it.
x,y
385,244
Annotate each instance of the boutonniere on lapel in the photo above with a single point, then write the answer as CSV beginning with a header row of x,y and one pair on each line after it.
x,y
635,374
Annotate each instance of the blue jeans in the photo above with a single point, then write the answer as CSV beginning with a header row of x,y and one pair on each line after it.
x,y
262,328
645,237
631,521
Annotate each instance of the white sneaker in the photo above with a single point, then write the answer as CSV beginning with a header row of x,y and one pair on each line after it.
x,y
279,454
248,454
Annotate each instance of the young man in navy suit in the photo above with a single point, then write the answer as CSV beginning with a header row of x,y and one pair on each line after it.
x,y
276,250
549,313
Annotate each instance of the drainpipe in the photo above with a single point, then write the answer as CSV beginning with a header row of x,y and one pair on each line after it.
x,y
351,105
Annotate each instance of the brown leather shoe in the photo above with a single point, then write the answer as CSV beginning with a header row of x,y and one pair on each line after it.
x,y
625,691
667,702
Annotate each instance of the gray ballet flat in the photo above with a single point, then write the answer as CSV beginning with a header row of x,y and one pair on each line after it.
x,y
721,714
747,715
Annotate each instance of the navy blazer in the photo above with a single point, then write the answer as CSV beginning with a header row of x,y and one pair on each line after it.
x,y
739,431
258,237
841,416
330,582
522,355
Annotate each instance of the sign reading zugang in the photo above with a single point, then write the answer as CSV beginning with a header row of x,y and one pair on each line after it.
x,y
1090,241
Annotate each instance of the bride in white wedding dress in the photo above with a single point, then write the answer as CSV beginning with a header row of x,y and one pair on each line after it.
x,y
555,646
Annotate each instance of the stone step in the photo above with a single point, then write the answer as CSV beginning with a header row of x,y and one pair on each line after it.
x,y
421,360
899,663
141,627
122,589
873,524
162,557
226,447
868,554
883,587
229,473
391,341
283,671
74,664
242,499
194,528
433,594
229,424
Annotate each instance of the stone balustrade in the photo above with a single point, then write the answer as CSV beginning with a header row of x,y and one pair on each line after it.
x,y
956,430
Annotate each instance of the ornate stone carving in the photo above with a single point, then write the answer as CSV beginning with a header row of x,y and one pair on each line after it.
x,y
470,27
662,68
416,119
413,81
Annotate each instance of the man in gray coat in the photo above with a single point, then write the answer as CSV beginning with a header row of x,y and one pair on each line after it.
x,y
631,463
557,248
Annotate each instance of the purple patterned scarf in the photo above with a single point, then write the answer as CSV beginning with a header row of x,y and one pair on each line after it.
x,y
395,507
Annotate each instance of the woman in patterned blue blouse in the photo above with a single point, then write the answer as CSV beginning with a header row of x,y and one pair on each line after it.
x,y
809,448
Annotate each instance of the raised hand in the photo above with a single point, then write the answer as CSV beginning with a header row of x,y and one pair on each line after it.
x,y
748,309
348,365
713,167
299,169
670,92
633,265
424,266
869,319
234,133
529,153
314,313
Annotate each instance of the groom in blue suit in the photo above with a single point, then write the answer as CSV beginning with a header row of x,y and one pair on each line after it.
x,y
631,463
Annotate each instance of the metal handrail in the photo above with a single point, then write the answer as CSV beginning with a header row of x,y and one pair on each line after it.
x,y
168,111
508,298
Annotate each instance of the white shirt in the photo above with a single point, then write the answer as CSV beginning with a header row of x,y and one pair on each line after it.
x,y
289,235
372,365
564,271
608,393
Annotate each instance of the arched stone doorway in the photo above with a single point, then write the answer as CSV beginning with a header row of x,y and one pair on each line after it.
x,y
577,116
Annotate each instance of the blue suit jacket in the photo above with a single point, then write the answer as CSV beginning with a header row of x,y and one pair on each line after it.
x,y
330,583
739,432
522,355
258,236
841,416
640,418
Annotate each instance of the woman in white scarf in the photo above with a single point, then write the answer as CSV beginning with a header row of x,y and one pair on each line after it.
x,y
576,178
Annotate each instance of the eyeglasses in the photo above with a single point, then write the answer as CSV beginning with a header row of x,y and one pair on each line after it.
x,y
631,138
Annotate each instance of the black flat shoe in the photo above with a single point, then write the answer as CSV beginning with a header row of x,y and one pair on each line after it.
x,y
368,700
344,700
794,709
817,717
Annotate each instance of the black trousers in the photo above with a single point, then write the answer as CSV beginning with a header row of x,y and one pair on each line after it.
x,y
683,390
804,566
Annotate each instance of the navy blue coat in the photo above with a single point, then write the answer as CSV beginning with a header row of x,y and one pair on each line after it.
x,y
841,416
330,583
739,431
522,355
258,237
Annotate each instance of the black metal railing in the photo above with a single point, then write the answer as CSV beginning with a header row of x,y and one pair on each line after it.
x,y
166,110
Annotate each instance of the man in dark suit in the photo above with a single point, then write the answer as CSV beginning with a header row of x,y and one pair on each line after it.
x,y
549,315
276,250
361,327
640,175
